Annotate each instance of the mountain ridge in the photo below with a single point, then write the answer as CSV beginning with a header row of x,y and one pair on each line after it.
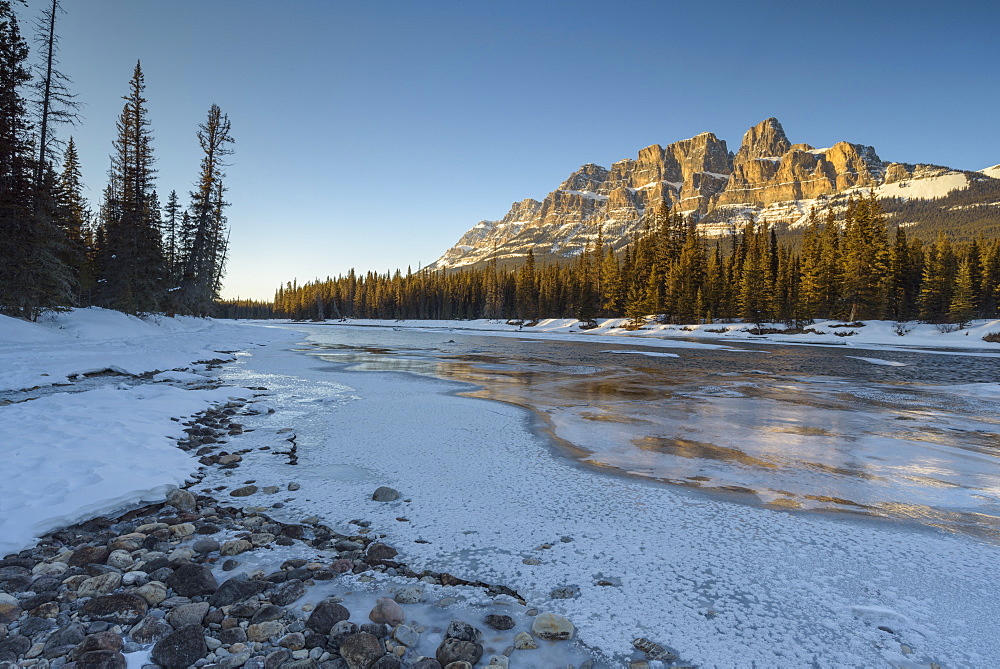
x,y
769,179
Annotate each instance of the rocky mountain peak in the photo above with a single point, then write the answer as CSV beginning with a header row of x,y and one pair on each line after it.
x,y
765,140
588,178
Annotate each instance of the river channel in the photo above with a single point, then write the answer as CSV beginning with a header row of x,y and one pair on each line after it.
x,y
908,435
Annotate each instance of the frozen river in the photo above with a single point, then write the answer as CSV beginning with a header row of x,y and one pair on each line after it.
x,y
674,488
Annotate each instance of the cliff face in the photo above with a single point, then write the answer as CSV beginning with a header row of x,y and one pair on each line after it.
x,y
768,179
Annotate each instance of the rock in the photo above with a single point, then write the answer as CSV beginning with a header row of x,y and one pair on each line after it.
x,y
377,630
100,585
287,592
88,555
361,650
153,592
120,609
565,592
9,613
523,641
341,631
181,530
387,611
341,566
236,590
499,661
264,631
387,662
191,580
552,627
230,458
102,659
409,595
150,630
245,491
293,641
240,659
457,650
458,665
233,635
182,500
46,610
63,640
264,613
205,545
459,629
406,635
100,641
379,553
180,649
235,547
426,663
120,560
293,486
33,626
326,614
187,614
499,622
385,494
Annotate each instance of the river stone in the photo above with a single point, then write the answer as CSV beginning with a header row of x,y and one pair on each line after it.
x,y
33,626
293,641
406,635
63,640
150,629
88,555
9,613
235,547
552,627
102,659
182,530
426,663
326,615
182,500
287,592
100,641
153,592
499,622
181,649
100,585
457,650
459,629
523,641
361,650
458,665
264,631
379,553
245,491
387,611
187,614
388,662
236,590
191,580
205,545
409,595
385,494
120,609
120,560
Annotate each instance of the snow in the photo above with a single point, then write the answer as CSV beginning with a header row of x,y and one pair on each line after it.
x,y
590,195
71,455
929,188
724,583
992,171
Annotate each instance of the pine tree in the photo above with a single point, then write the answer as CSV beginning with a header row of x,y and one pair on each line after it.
x,y
32,275
962,308
130,262
205,254
74,219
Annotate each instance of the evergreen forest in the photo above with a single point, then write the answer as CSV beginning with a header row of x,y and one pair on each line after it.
x,y
850,266
132,253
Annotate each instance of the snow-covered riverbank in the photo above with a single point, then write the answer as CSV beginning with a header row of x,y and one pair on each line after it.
x,y
485,497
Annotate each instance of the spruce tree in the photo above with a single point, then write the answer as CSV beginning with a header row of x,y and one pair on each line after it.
x,y
131,266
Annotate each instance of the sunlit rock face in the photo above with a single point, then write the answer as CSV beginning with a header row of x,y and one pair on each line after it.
x,y
768,179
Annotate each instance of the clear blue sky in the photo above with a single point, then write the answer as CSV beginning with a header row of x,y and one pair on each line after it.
x,y
373,134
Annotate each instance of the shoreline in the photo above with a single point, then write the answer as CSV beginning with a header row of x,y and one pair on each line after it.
x,y
61,583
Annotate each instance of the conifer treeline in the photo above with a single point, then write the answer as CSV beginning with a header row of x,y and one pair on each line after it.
x,y
848,267
54,251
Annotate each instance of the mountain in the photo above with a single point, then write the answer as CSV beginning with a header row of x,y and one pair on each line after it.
x,y
767,179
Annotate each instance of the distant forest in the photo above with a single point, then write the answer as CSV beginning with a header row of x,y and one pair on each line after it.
x,y
850,267
131,254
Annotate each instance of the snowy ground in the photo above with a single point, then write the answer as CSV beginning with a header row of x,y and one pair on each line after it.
x,y
724,584
874,334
